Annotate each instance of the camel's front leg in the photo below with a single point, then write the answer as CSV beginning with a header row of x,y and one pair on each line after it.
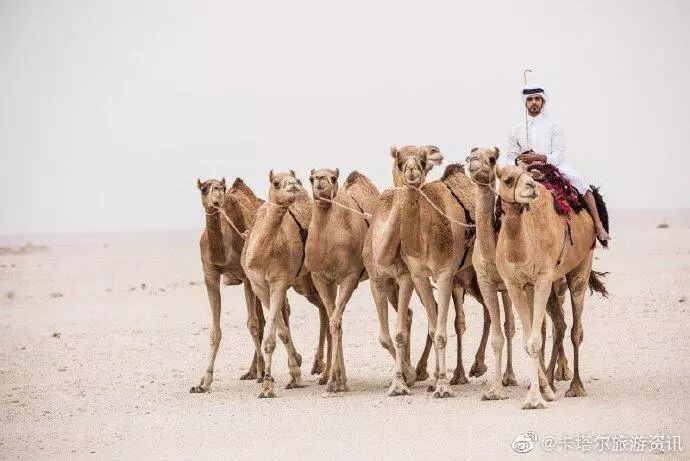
x,y
273,297
403,370
212,281
509,328
328,290
347,287
445,286
255,319
488,290
458,294
539,386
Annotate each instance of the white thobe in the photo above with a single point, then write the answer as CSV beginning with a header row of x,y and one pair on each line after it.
x,y
545,137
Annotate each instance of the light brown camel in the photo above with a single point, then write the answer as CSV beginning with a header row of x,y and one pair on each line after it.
x,y
535,247
273,259
339,224
481,163
433,237
228,215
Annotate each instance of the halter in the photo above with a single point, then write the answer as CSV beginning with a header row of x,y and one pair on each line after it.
x,y
515,202
366,216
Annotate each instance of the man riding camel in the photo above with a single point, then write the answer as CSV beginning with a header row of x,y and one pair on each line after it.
x,y
540,139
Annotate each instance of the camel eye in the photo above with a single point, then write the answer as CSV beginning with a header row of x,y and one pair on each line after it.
x,y
509,182
423,164
400,165
299,181
492,161
276,184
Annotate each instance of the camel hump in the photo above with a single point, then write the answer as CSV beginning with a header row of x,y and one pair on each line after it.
x,y
457,181
240,186
362,190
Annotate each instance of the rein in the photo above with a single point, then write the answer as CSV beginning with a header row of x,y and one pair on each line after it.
x,y
426,197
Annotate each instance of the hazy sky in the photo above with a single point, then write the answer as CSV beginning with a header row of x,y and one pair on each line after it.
x,y
109,110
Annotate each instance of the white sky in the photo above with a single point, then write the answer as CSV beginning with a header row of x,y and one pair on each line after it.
x,y
109,110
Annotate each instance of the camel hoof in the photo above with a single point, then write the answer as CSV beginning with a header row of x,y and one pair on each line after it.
x,y
494,394
260,379
410,376
334,387
509,379
323,379
576,390
442,390
398,387
198,390
563,373
248,375
294,384
534,402
459,378
548,394
478,369
318,367
267,391
422,374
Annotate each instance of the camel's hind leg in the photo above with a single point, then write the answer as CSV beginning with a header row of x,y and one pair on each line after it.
x,y
458,294
555,310
490,296
509,329
562,372
426,295
255,325
212,281
578,280
345,290
306,288
479,367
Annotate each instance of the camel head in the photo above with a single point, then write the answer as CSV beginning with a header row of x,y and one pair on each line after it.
x,y
324,183
481,163
517,185
412,163
284,188
212,193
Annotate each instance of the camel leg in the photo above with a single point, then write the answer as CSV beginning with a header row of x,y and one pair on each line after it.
x,y
213,290
537,297
256,370
458,295
392,291
327,292
392,288
399,385
294,358
445,286
509,329
562,372
306,288
479,367
555,311
378,292
347,287
578,280
426,295
272,296
496,391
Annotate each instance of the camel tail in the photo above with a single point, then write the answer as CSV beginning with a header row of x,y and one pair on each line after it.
x,y
596,283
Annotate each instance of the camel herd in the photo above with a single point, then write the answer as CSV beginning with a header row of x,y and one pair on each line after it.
x,y
439,239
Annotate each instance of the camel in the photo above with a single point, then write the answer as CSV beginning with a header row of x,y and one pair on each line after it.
x,y
537,246
336,236
429,222
481,162
273,259
228,215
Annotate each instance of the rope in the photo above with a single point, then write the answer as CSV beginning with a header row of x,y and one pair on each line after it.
x,y
333,202
426,197
219,209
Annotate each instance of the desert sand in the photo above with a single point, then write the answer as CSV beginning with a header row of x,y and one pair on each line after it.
x,y
103,335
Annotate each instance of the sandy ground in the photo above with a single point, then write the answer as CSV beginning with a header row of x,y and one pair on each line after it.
x,y
102,337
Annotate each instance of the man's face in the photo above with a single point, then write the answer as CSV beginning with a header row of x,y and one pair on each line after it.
x,y
534,104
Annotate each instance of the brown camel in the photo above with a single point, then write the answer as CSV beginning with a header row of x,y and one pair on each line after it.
x,y
535,247
481,163
273,259
337,231
228,215
433,239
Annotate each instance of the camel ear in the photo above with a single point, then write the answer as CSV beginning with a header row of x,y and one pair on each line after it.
x,y
311,175
292,173
499,171
433,156
337,173
198,183
394,152
222,182
536,175
270,176
474,149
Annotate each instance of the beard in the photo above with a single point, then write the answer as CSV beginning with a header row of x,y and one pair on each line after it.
x,y
534,110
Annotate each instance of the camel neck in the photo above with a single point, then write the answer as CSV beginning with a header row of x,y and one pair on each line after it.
x,y
214,232
516,225
485,209
269,228
407,202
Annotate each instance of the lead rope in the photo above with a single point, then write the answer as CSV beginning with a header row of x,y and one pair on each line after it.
x,y
363,214
426,197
